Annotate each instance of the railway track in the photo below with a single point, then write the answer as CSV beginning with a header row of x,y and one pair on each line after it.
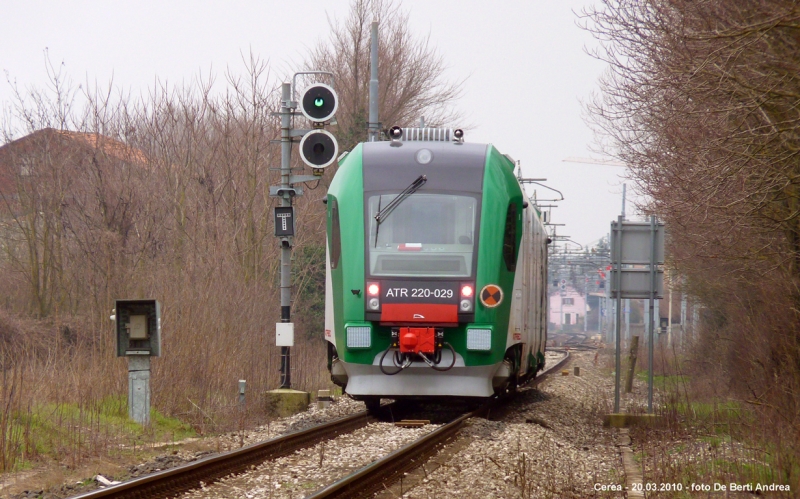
x,y
362,483
375,476
190,476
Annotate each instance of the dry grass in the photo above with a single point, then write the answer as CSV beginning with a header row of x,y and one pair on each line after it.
x,y
711,436
66,402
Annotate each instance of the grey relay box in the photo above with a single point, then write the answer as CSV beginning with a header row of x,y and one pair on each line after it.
x,y
138,327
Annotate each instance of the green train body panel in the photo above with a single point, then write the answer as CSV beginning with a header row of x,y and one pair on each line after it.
x,y
500,188
346,296
346,191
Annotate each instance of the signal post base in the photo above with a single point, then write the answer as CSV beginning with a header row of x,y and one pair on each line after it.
x,y
624,420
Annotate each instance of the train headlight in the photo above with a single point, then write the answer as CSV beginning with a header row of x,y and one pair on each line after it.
x,y
359,336
467,297
479,339
373,296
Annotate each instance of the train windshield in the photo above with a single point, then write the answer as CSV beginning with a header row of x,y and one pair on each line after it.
x,y
426,234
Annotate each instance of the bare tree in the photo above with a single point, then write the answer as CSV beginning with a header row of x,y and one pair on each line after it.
x,y
167,196
411,74
701,101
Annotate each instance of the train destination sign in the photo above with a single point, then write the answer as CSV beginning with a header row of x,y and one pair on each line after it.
x,y
491,295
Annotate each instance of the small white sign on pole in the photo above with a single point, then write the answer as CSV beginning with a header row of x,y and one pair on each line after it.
x,y
284,334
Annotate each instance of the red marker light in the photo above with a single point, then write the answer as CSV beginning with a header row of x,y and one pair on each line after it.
x,y
466,291
373,289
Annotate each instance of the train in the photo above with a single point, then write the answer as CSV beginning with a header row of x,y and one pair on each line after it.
x,y
436,271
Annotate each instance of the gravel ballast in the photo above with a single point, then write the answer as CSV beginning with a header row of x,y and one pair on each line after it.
x,y
550,444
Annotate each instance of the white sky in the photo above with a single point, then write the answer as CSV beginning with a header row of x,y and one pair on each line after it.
x,y
525,60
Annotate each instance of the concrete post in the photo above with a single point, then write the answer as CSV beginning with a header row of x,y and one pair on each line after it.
x,y
657,316
634,353
242,387
683,316
627,319
139,388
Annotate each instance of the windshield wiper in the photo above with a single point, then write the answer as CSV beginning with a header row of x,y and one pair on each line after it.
x,y
389,208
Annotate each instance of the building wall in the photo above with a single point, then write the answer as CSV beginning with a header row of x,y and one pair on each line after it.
x,y
572,311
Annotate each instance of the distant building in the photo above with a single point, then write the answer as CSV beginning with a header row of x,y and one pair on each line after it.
x,y
567,309
55,160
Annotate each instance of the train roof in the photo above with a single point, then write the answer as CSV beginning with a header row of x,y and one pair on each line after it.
x,y
460,166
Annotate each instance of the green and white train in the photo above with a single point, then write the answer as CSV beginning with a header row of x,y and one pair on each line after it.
x,y
436,271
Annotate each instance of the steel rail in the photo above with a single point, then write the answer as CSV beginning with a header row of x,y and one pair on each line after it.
x,y
373,477
189,476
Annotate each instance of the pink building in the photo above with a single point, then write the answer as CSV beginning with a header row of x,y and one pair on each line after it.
x,y
566,310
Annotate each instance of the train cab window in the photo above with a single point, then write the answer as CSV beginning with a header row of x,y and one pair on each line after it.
x,y
510,238
336,235
427,234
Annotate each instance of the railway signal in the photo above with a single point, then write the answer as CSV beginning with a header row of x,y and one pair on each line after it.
x,y
318,149
319,103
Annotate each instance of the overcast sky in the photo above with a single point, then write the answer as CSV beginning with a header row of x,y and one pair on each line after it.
x,y
525,63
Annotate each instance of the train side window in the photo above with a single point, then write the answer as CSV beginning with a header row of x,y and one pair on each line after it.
x,y
336,235
510,238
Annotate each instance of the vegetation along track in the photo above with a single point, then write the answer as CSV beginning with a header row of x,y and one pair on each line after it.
x,y
369,479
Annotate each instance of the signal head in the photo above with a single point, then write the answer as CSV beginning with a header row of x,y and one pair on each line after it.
x,y
318,148
319,103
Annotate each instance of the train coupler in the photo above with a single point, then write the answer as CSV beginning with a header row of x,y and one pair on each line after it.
x,y
418,340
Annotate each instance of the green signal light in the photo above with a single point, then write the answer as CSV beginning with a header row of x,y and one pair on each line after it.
x,y
319,101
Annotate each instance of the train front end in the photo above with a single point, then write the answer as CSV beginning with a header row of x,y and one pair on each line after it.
x,y
418,241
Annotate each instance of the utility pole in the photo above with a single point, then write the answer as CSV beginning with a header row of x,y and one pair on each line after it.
x,y
374,124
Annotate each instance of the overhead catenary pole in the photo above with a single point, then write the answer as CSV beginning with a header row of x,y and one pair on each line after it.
x,y
653,293
374,125
683,314
286,246
585,303
623,200
669,315
627,303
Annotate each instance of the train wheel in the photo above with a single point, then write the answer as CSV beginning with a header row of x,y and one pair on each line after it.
x,y
373,404
511,389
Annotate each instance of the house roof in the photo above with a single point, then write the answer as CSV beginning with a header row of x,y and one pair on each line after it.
x,y
89,142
